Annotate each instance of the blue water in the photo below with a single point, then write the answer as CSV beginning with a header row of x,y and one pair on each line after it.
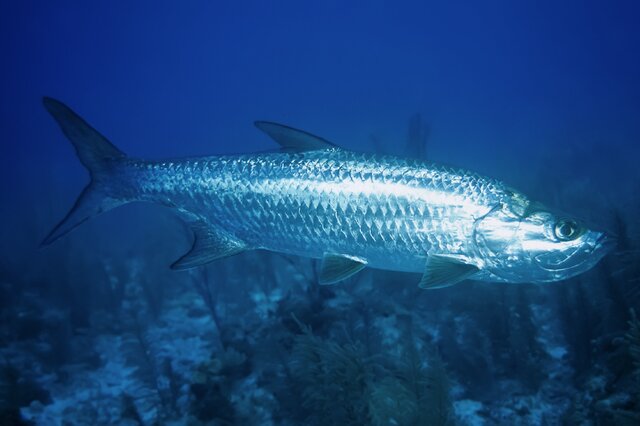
x,y
97,330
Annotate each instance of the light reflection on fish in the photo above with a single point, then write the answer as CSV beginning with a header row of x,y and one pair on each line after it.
x,y
350,209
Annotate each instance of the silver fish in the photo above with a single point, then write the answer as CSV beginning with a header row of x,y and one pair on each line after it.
x,y
349,209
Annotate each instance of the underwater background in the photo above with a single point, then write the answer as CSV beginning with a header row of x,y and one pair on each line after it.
x,y
97,330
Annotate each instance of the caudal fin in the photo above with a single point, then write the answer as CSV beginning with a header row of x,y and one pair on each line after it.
x,y
98,155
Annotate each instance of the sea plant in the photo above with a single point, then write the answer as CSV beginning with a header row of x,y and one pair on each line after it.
x,y
633,340
342,385
335,379
414,393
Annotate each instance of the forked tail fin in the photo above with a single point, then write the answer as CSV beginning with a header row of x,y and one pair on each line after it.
x,y
98,155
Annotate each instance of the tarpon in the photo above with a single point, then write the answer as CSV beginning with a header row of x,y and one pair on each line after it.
x,y
352,210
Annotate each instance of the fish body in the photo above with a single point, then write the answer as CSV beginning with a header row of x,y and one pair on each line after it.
x,y
392,212
350,209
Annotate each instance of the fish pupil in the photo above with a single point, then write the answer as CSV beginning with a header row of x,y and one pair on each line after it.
x,y
566,230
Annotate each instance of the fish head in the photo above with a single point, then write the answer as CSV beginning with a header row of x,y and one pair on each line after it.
x,y
534,244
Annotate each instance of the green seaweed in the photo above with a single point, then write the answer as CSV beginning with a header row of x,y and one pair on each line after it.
x,y
633,341
335,380
339,385
417,394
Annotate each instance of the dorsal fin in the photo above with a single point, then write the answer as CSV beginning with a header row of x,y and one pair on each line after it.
x,y
292,139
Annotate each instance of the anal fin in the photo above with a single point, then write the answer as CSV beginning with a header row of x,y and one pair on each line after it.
x,y
445,271
338,267
209,244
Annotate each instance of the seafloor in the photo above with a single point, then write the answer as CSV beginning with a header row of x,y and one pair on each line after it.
x,y
254,340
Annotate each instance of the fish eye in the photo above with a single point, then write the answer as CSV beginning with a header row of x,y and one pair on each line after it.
x,y
566,230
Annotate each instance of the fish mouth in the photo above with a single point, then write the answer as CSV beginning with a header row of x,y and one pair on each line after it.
x,y
553,262
582,256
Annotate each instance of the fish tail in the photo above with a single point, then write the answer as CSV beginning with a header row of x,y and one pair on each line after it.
x,y
101,158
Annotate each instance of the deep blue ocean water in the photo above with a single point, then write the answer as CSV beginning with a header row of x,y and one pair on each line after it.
x,y
96,329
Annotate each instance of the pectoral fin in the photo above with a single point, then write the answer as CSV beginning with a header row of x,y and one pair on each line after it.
x,y
209,244
338,267
445,271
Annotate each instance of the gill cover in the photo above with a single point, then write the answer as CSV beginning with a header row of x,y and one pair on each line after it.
x,y
497,236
